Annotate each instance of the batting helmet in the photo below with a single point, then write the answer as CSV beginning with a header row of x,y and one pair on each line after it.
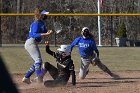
x,y
65,49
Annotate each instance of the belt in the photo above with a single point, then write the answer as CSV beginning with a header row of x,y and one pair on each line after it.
x,y
87,57
34,39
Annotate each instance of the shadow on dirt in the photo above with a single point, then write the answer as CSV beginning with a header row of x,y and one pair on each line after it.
x,y
104,83
116,79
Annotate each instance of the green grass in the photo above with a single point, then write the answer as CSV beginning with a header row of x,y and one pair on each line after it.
x,y
116,58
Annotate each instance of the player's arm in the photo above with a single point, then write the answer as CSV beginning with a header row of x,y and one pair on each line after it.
x,y
72,69
48,49
97,53
96,59
71,65
35,29
46,34
75,42
95,49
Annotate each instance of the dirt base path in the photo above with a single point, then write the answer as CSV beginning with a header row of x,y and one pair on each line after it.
x,y
95,82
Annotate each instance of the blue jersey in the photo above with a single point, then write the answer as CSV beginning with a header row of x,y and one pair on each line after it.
x,y
86,46
36,28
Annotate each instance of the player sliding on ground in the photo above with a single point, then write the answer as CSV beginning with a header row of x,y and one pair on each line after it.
x,y
87,47
64,69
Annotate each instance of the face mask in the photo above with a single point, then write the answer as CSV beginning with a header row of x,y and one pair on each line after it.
x,y
45,17
86,33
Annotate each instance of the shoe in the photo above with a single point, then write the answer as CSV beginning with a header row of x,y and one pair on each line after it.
x,y
26,80
39,79
115,76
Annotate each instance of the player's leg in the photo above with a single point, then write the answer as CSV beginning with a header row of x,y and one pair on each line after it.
x,y
33,49
59,80
53,71
105,68
54,83
84,67
26,78
30,71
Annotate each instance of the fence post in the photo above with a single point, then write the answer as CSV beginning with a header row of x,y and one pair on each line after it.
x,y
0,24
111,31
55,39
0,34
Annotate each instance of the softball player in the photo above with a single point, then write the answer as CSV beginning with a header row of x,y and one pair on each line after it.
x,y
64,69
36,33
89,53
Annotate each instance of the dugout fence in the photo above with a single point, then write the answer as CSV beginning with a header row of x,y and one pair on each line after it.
x,y
15,27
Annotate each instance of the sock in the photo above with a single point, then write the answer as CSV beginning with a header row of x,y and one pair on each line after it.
x,y
43,72
38,69
30,71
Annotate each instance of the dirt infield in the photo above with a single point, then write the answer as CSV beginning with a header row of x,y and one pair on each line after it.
x,y
95,82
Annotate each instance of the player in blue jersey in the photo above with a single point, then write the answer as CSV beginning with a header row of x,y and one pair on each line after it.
x,y
89,53
37,32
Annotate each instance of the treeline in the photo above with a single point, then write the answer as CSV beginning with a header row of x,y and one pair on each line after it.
x,y
15,29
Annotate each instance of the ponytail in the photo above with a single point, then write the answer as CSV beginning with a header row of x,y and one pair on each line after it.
x,y
37,13
92,36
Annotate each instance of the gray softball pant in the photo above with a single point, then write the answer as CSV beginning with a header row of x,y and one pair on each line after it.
x,y
84,66
32,47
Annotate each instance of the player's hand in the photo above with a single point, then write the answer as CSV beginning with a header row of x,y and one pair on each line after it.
x,y
47,43
46,34
49,32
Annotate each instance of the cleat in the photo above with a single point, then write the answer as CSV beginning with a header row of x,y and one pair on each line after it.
x,y
26,80
39,79
115,76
